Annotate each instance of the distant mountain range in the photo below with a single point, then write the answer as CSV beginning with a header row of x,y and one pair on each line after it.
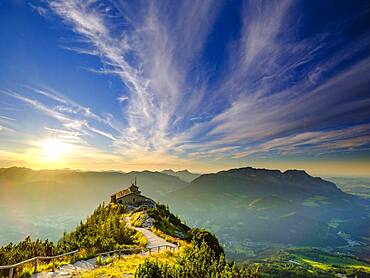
x,y
184,175
240,205
98,184
76,193
289,207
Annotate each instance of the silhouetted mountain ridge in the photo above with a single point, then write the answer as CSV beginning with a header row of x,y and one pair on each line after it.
x,y
244,204
89,184
290,184
270,205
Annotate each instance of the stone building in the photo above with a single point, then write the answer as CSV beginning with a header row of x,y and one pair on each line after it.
x,y
131,197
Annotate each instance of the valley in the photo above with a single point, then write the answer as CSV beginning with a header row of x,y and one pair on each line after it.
x,y
250,210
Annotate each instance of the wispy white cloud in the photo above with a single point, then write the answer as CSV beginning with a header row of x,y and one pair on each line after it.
x,y
68,105
4,128
122,99
6,123
40,10
149,60
6,118
276,93
267,97
314,142
274,114
77,124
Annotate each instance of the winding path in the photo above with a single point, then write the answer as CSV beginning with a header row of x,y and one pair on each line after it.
x,y
69,269
153,240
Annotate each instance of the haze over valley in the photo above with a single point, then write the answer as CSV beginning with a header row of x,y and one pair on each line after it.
x,y
249,209
223,131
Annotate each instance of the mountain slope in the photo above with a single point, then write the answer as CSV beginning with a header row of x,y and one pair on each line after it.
x,y
34,199
291,184
288,207
154,184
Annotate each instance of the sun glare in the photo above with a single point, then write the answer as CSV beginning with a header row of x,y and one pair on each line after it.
x,y
54,150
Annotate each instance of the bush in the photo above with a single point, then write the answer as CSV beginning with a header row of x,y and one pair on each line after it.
x,y
167,222
199,261
26,249
103,261
200,235
26,273
104,230
151,269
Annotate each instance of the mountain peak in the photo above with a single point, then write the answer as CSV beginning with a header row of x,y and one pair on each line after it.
x,y
267,172
251,171
184,175
185,171
297,173
168,171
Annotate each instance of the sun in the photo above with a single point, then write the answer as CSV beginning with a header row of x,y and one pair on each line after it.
x,y
54,150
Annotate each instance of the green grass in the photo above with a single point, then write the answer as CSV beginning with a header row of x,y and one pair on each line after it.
x,y
338,262
325,261
127,265
239,252
137,218
312,262
315,264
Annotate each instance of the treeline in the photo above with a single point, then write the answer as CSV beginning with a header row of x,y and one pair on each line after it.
x,y
13,253
204,259
167,222
104,230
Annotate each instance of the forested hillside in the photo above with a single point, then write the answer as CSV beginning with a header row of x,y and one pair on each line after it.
x,y
245,206
104,230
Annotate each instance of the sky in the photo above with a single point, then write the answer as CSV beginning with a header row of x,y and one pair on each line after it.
x,y
203,85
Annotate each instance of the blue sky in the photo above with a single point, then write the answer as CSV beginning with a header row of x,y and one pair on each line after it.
x,y
203,85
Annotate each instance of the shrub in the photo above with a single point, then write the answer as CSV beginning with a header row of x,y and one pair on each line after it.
x,y
167,222
104,230
103,261
200,235
150,269
26,273
199,261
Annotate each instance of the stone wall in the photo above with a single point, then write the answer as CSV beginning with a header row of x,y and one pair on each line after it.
x,y
131,199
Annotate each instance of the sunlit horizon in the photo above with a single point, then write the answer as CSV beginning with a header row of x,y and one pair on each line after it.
x,y
329,169
194,85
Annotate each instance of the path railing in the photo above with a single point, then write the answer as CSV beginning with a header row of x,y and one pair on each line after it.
x,y
35,260
166,246
148,249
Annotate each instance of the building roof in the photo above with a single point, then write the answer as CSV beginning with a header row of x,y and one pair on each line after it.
x,y
133,188
127,194
122,193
